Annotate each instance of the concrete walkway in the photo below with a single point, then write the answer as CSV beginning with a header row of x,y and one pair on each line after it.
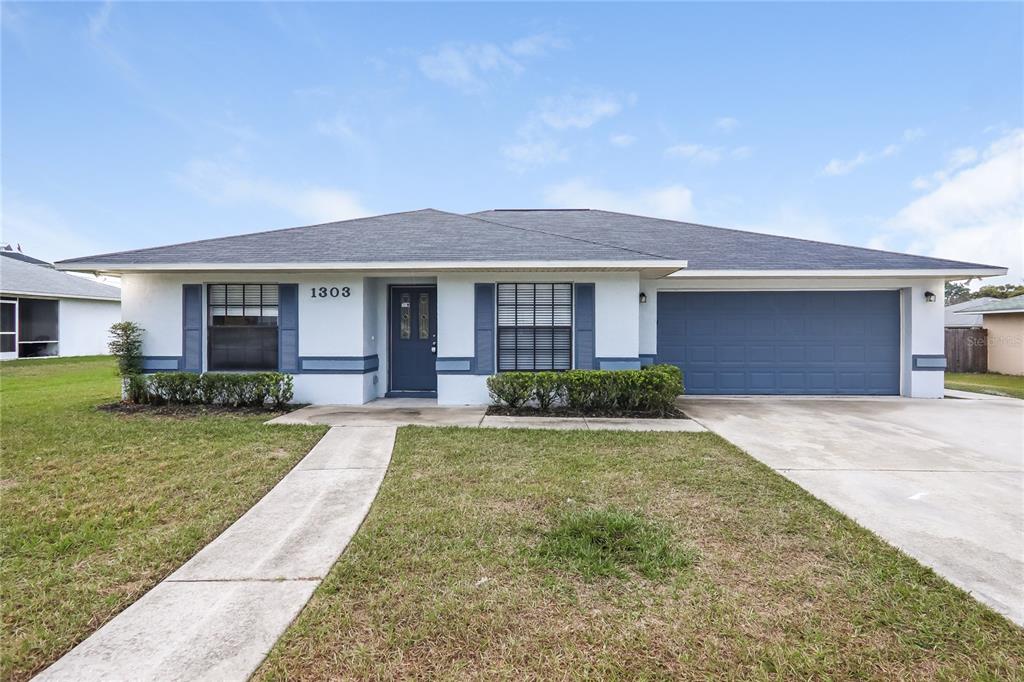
x,y
426,412
217,616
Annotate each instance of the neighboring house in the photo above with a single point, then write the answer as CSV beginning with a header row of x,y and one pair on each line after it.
x,y
1004,320
45,312
954,318
428,303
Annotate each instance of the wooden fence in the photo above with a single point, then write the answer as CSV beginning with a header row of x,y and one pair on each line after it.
x,y
966,350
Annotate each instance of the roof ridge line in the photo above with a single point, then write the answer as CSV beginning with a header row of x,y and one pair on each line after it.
x,y
564,236
799,239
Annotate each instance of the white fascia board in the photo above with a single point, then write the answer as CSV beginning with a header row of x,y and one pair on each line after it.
x,y
452,266
735,274
992,312
36,294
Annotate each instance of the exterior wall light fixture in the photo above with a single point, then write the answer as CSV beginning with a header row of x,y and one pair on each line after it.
x,y
643,297
929,296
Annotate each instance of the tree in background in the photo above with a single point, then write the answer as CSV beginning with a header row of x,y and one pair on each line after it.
x,y
958,292
1000,291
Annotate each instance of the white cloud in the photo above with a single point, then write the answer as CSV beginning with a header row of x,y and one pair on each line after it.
x,y
337,127
706,154
912,134
537,45
467,66
695,152
580,111
726,124
538,141
535,152
622,140
225,184
100,19
843,166
975,214
958,158
668,201
921,183
742,152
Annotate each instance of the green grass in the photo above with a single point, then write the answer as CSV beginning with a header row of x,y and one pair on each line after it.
x,y
474,563
98,507
612,542
993,384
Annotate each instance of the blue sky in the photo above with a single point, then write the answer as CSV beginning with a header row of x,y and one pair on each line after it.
x,y
895,126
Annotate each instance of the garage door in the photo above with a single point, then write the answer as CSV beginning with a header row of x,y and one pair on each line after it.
x,y
797,342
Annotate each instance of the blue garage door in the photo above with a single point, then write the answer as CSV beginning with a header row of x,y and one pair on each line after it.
x,y
796,342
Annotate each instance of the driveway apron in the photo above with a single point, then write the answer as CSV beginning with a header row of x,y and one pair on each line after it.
x,y
218,616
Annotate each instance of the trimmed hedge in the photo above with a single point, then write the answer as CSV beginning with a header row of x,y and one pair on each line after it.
x,y
651,389
233,390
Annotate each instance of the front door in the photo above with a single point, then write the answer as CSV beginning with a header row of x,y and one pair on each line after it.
x,y
413,339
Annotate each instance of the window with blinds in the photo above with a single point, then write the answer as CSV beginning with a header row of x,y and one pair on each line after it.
x,y
242,322
534,326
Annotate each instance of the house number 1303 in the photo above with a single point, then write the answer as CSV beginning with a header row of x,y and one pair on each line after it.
x,y
333,292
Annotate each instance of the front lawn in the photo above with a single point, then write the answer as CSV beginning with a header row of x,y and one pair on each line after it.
x,y
98,507
993,384
551,555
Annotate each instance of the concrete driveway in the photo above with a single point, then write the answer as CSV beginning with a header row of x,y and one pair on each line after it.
x,y
943,480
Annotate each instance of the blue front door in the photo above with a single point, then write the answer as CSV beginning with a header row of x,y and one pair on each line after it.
x,y
789,342
413,339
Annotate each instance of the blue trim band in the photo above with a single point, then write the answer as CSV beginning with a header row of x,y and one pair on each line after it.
x,y
929,363
617,363
350,364
648,359
455,365
161,363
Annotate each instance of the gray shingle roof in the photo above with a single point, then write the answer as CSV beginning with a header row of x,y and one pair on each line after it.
x,y
415,236
523,235
20,277
715,248
1003,305
955,318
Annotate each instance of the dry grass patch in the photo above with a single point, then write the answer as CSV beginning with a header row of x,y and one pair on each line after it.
x,y
98,507
452,577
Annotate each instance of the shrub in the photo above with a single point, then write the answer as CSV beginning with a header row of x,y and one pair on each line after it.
x,y
135,389
126,345
512,389
651,389
547,389
231,390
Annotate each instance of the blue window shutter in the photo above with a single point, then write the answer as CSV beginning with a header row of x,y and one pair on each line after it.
x,y
288,328
483,329
585,350
192,327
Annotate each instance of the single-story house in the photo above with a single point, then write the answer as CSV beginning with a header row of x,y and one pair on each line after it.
x,y
46,313
1004,320
956,319
429,303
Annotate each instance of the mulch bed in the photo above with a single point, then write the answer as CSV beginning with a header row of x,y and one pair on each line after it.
x,y
564,412
188,411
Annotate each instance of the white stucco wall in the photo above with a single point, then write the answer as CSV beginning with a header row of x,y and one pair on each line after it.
x,y
328,326
356,326
922,328
616,301
84,325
